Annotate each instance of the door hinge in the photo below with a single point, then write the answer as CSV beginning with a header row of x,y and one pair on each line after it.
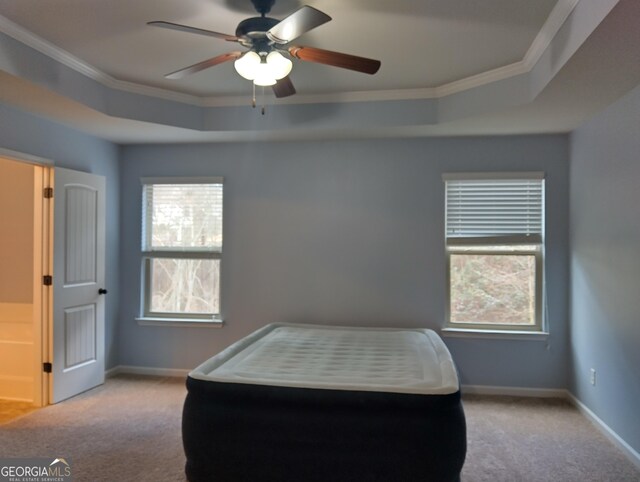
x,y
48,192
46,367
47,280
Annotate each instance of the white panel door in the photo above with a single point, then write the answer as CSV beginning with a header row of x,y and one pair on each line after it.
x,y
78,283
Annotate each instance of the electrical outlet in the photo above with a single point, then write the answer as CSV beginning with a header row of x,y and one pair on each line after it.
x,y
593,377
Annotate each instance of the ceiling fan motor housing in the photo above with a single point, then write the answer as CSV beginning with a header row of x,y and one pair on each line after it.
x,y
254,28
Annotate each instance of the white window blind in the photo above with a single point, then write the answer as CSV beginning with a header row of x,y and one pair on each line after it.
x,y
495,208
182,217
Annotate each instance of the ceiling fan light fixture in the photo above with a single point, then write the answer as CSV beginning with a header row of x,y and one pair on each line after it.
x,y
264,75
263,70
247,65
279,65
267,60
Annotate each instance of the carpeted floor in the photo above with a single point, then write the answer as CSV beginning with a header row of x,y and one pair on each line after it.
x,y
129,430
514,439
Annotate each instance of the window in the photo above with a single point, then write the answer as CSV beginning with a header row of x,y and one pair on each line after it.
x,y
181,248
494,247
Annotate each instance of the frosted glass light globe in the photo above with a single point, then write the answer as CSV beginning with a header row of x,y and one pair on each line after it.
x,y
264,75
279,65
247,65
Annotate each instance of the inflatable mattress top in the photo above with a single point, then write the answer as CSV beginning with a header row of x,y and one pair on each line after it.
x,y
340,358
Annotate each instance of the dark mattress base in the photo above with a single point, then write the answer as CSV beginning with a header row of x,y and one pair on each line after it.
x,y
239,432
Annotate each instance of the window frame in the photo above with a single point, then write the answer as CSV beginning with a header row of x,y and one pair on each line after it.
x,y
489,245
147,257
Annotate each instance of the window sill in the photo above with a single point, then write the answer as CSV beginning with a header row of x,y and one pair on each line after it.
x,y
494,334
180,322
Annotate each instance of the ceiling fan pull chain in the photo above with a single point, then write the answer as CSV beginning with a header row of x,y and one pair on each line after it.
x,y
262,99
253,100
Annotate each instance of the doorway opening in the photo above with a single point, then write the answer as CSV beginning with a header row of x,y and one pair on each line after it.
x,y
25,247
52,277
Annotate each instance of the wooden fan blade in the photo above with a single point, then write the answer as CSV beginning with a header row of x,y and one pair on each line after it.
x,y
299,22
284,87
345,61
186,28
205,64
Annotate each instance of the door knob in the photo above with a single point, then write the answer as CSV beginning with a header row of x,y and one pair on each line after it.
x,y
102,291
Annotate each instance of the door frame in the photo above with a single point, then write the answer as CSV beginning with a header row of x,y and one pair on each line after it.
x,y
46,298
42,265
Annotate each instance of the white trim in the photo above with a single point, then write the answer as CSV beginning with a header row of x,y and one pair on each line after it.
x,y
65,58
628,451
494,334
18,399
184,254
607,431
153,371
513,244
330,98
180,322
182,180
513,391
552,25
158,92
50,50
619,442
112,372
22,157
499,175
550,28
478,80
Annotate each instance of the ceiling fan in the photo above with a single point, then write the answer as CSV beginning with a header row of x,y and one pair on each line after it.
x,y
267,39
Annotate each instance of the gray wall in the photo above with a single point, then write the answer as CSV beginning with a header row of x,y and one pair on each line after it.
x,y
605,265
346,232
69,148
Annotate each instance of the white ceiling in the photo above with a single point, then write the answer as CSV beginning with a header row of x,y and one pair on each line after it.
x,y
421,43
449,67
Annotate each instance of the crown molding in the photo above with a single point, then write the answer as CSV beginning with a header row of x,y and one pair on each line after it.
x,y
541,42
50,50
57,54
552,25
550,28
481,79
337,97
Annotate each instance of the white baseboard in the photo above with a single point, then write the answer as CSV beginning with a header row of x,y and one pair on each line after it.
x,y
112,372
18,399
160,372
514,391
607,431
